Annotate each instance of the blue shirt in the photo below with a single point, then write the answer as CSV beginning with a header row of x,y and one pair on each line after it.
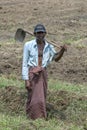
x,y
30,56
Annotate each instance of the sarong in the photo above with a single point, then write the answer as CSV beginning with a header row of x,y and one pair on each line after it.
x,y
36,102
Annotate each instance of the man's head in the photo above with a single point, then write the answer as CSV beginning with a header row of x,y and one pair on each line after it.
x,y
39,28
39,32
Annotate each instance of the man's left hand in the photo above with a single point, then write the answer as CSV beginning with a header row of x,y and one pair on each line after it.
x,y
64,48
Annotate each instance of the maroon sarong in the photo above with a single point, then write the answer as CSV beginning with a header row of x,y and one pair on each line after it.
x,y
36,103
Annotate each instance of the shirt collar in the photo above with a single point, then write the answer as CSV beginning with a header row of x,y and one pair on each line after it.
x,y
46,43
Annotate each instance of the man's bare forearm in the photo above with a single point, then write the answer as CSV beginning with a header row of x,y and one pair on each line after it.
x,y
59,55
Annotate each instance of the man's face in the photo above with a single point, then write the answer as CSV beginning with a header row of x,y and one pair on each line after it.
x,y
40,35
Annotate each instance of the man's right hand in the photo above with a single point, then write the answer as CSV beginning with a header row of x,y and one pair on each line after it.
x,y
27,84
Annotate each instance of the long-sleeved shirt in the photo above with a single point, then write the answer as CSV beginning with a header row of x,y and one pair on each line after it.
x,y
30,56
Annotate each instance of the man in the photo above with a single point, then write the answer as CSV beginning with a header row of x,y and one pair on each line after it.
x,y
37,55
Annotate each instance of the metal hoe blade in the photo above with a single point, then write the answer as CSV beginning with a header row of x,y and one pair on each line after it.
x,y
20,35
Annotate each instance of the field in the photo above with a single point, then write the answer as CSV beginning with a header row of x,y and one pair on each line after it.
x,y
66,23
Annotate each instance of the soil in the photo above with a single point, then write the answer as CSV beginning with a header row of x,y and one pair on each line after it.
x,y
67,23
60,104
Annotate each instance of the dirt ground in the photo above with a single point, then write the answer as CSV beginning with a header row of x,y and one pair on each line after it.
x,y
66,20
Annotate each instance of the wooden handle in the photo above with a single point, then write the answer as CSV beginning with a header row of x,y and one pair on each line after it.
x,y
53,43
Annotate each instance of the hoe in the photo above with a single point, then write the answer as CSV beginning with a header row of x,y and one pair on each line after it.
x,y
21,34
